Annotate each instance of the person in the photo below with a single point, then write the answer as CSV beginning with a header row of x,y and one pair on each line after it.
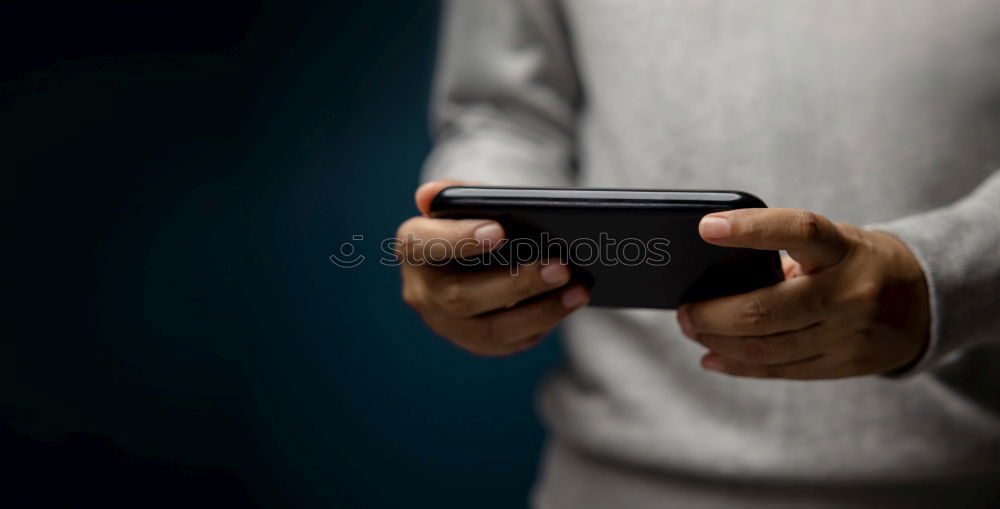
x,y
869,376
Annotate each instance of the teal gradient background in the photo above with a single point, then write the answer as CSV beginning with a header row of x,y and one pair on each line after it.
x,y
176,328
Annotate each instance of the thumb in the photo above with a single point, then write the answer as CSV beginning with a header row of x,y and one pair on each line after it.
x,y
810,239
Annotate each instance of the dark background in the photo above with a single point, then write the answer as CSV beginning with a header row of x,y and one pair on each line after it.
x,y
175,175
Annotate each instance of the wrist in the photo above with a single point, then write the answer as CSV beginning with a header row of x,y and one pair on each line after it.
x,y
905,300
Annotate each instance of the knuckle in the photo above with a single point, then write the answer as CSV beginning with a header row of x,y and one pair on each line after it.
x,y
755,313
755,349
751,230
526,282
810,226
454,298
790,346
864,296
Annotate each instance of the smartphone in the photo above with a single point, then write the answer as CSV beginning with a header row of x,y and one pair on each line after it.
x,y
635,248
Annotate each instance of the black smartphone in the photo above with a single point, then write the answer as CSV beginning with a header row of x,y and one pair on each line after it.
x,y
633,247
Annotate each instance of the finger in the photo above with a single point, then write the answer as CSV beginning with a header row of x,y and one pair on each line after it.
x,y
512,330
538,316
425,194
468,294
810,239
814,368
773,349
787,306
436,241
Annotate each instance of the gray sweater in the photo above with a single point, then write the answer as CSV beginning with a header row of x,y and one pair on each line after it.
x,y
883,113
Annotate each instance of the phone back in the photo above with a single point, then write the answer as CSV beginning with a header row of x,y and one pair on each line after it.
x,y
634,248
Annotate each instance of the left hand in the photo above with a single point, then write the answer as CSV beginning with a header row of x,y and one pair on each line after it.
x,y
854,302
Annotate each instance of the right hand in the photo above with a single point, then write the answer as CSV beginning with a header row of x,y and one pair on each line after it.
x,y
489,312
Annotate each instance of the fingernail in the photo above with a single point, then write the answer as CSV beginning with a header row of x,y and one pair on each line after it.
x,y
685,322
554,274
574,297
714,227
490,232
712,362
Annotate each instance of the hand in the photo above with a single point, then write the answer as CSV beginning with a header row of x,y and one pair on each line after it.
x,y
488,312
854,302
